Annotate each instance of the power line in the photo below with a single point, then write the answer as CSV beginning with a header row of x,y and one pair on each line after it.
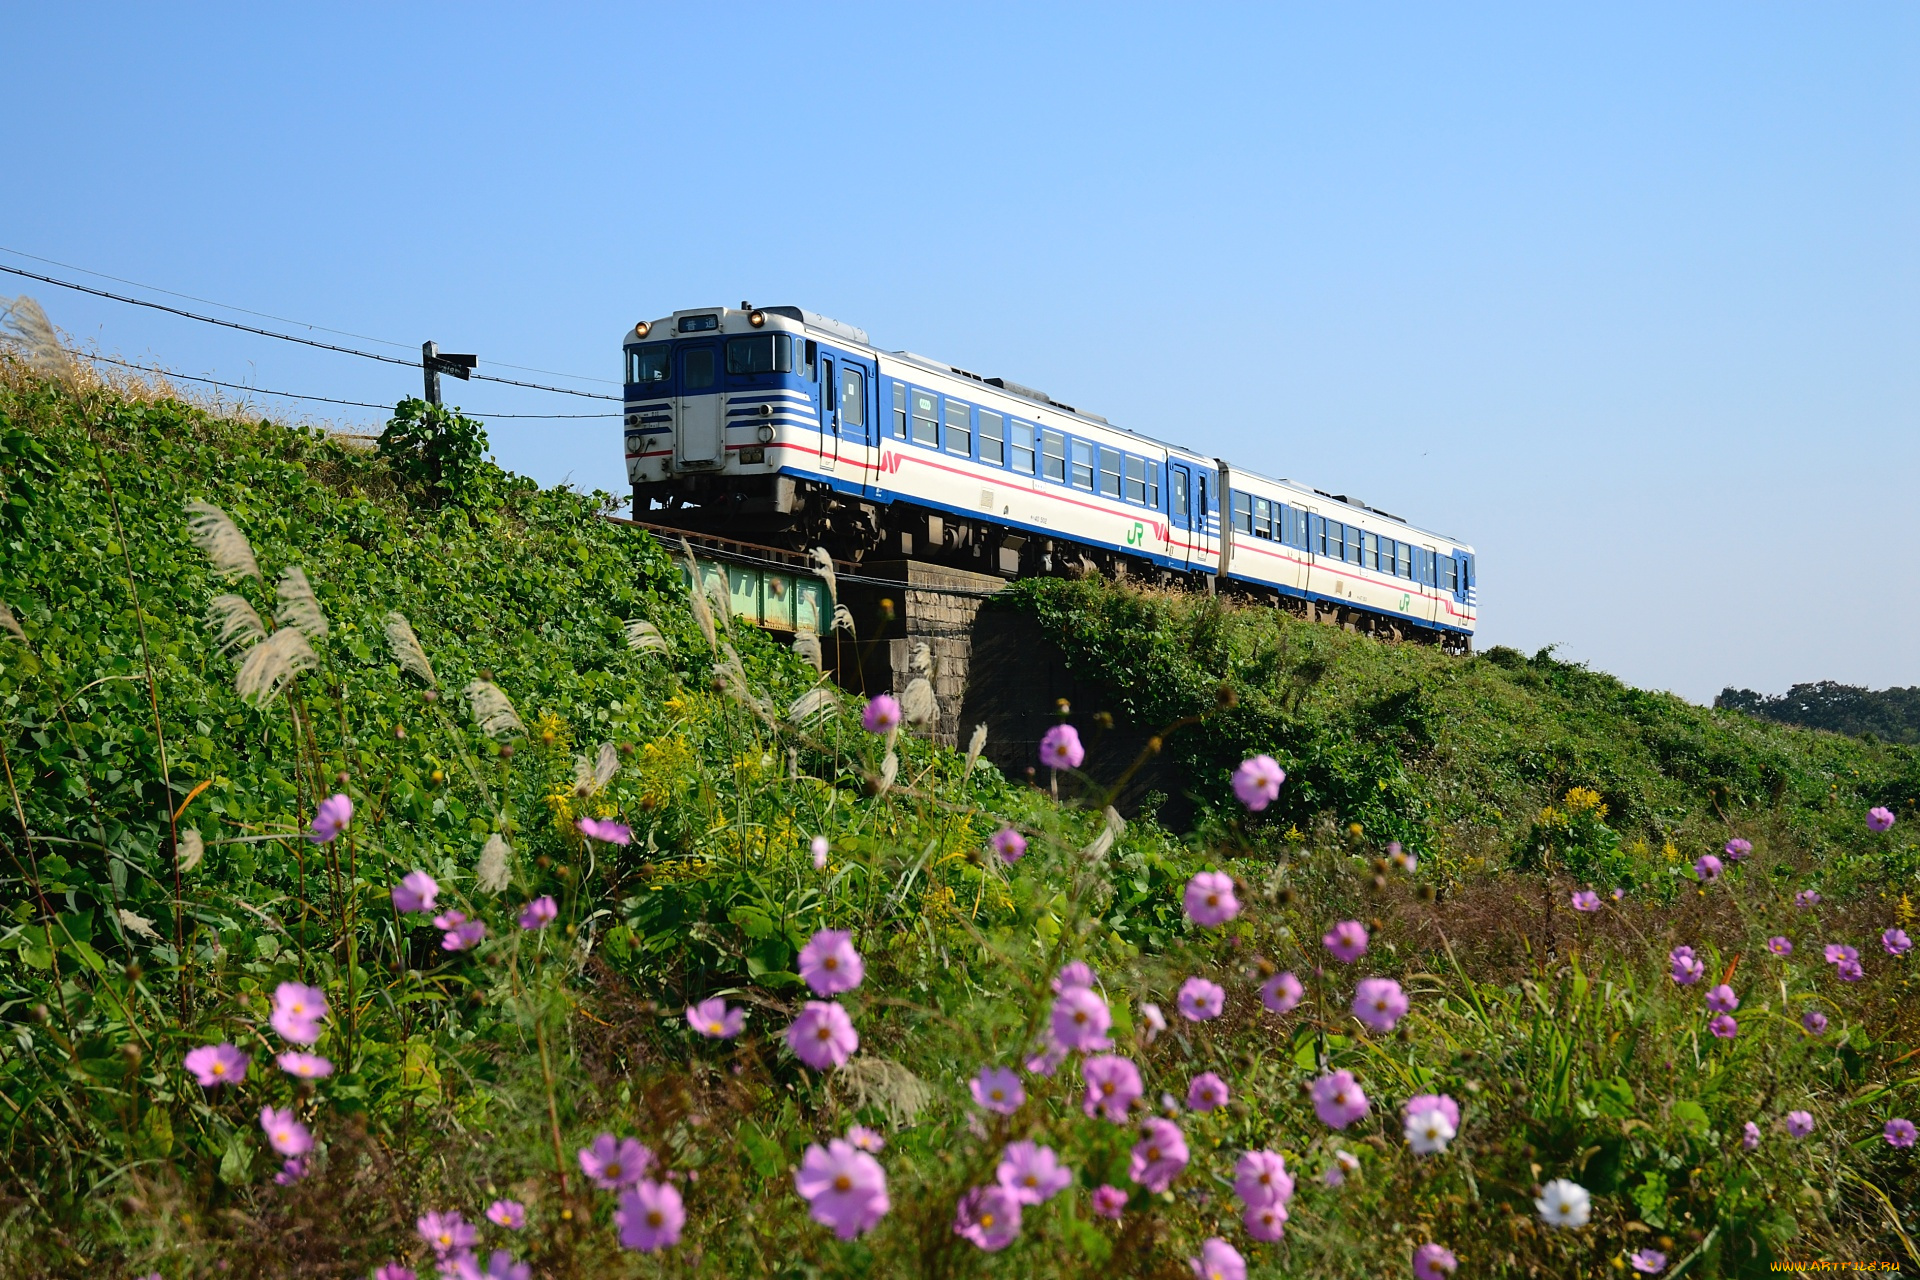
x,y
285,337
266,315
295,395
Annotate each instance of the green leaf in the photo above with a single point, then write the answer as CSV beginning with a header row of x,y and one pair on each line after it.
x,y
236,1164
762,1152
1690,1116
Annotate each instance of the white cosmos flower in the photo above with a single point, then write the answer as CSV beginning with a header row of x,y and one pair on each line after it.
x,y
1429,1132
1564,1204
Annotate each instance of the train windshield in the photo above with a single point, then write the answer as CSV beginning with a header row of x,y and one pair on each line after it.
x,y
648,363
760,353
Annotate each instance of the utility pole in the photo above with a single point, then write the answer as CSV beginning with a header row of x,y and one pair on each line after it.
x,y
433,363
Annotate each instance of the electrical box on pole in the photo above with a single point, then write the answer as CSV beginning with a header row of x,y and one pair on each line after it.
x,y
434,362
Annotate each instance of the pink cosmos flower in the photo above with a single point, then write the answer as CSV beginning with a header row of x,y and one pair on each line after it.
x,y
1033,1173
1648,1262
297,1010
988,1216
540,913
308,1066
1619,894
650,1216
1109,1201
861,1138
1076,974
510,1214
1737,849
1081,1019
461,933
882,714
501,1266
1750,1135
1779,946
714,1020
1379,1003
605,830
1799,1123
1218,1260
1281,992
1048,1060
387,1271
415,892
1899,1132
1344,1163
611,1163
1440,1102
330,819
1347,941
1009,844
447,1232
1686,969
819,848
1200,999
1722,1000
1895,942
1113,1085
1586,900
1814,1021
829,963
844,1187
1401,858
1879,818
1724,1026
216,1064
292,1170
1261,1177
1266,1223
1338,1099
1209,899
1207,1092
998,1089
1849,971
1806,898
1840,953
823,1035
1060,748
1159,1157
1432,1262
1257,782
1707,868
1155,1021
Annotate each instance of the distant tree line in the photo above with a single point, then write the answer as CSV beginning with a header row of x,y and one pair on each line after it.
x,y
1892,715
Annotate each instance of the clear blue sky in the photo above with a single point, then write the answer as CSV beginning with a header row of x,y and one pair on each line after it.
x,y
1624,295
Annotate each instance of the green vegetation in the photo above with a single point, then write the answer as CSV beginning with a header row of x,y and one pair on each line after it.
x,y
1890,714
160,887
1469,761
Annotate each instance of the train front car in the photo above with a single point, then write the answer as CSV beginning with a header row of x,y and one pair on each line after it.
x,y
735,418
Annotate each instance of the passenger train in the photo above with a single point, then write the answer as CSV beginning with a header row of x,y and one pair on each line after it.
x,y
781,425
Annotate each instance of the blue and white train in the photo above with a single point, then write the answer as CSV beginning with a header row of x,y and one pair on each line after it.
x,y
780,425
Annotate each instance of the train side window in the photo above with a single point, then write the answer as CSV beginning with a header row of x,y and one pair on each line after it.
x,y
1369,551
1243,513
1110,473
993,444
1262,518
1356,547
809,352
697,369
1180,493
1020,437
1053,453
853,397
1450,575
1406,559
1317,535
1136,479
926,419
1083,465
959,419
1471,579
899,409
1153,485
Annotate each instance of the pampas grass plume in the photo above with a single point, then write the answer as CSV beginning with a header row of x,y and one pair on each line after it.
x,y
44,350
491,875
406,648
271,665
298,608
225,546
10,623
191,849
235,623
645,637
492,710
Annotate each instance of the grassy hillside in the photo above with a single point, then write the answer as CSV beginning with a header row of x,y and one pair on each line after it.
x,y
163,882
1470,761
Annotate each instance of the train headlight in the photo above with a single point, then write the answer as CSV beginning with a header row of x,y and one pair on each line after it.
x,y
765,433
756,318
640,330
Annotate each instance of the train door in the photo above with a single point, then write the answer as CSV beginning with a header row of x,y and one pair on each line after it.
x,y
829,398
699,432
1430,578
855,421
1180,507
